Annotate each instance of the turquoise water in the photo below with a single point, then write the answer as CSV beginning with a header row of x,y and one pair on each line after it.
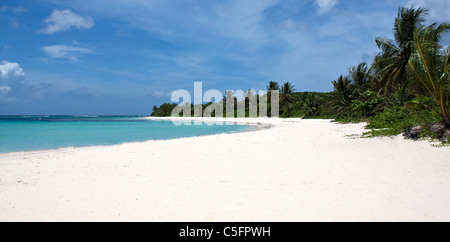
x,y
29,133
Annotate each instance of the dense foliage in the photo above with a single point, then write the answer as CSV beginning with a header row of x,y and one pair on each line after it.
x,y
407,84
164,110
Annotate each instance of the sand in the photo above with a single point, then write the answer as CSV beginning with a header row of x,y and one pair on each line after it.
x,y
299,170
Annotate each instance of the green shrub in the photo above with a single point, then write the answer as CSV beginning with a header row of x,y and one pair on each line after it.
x,y
396,120
368,104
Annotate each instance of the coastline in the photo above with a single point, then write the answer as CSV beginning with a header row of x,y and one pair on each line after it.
x,y
249,122
298,170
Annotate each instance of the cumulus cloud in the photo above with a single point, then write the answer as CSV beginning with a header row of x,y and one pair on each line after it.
x,y
326,6
61,20
68,52
8,69
9,72
14,88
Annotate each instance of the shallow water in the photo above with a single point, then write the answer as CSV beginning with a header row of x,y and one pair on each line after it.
x,y
30,133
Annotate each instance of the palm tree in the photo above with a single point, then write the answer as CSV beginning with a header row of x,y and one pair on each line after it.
x,y
430,65
273,86
286,96
311,104
391,63
155,112
342,95
360,78
251,100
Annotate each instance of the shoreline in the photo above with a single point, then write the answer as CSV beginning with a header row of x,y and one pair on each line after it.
x,y
262,125
303,170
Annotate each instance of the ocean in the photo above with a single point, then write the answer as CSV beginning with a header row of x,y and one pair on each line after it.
x,y
32,133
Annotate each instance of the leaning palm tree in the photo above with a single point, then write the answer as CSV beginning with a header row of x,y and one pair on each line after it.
x,y
430,65
391,63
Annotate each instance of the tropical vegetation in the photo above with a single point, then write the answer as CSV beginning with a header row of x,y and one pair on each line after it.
x,y
405,89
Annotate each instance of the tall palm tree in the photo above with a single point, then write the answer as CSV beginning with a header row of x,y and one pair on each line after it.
x,y
342,95
286,95
430,65
273,86
391,63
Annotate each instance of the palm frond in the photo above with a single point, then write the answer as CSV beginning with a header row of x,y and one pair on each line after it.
x,y
430,66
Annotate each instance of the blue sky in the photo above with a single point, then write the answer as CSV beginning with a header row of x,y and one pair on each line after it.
x,y
124,56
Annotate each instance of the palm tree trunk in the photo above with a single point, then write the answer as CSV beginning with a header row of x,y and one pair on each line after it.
x,y
446,122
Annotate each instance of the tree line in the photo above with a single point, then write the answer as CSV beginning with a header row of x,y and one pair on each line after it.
x,y
406,85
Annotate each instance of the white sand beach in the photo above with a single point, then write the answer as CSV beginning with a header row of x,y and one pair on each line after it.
x,y
299,170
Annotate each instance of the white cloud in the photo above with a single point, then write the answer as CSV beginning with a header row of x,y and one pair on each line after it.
x,y
244,43
439,9
5,90
15,10
66,51
8,69
326,6
61,20
161,94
